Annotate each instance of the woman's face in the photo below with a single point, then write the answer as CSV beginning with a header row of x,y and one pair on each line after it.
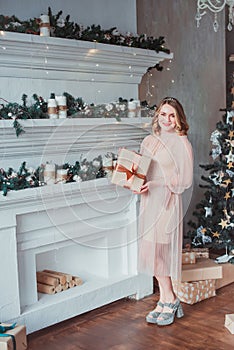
x,y
167,118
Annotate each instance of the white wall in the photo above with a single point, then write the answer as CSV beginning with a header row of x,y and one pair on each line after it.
x,y
107,13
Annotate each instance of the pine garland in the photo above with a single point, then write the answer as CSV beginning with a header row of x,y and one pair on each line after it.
x,y
70,30
76,108
27,177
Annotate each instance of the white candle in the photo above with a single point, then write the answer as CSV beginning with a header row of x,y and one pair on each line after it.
x,y
62,175
52,108
131,109
138,107
45,25
49,174
62,106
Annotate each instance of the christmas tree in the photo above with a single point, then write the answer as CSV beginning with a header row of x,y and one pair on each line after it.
x,y
214,226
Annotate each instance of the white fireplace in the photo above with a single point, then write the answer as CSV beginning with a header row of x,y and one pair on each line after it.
x,y
88,229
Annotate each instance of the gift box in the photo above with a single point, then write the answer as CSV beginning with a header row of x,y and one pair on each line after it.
x,y
193,292
228,275
18,333
201,252
188,257
130,170
203,269
229,322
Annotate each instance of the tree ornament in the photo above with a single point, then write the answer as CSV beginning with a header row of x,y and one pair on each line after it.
x,y
216,234
216,152
227,182
230,157
230,173
215,137
227,195
230,142
226,214
229,119
208,211
223,223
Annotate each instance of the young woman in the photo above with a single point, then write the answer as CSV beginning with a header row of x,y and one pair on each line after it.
x,y
161,214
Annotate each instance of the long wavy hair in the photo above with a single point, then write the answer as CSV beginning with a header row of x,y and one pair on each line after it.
x,y
181,122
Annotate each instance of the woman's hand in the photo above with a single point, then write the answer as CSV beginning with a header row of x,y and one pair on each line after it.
x,y
144,189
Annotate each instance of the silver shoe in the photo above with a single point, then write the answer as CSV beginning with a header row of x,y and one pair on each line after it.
x,y
153,315
168,317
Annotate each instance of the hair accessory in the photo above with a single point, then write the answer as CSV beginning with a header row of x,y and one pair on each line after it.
x,y
169,99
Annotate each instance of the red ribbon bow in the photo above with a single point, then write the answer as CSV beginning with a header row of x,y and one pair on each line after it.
x,y
129,172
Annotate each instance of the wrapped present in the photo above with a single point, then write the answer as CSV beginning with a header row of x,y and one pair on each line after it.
x,y
130,170
12,337
193,292
229,322
188,257
199,252
228,275
203,269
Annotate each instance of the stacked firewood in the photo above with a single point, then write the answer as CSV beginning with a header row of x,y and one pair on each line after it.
x,y
51,282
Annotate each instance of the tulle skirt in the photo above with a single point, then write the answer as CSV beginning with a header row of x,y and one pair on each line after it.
x,y
160,234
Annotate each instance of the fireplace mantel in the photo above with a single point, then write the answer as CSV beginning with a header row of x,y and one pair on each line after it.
x,y
89,228
92,222
27,55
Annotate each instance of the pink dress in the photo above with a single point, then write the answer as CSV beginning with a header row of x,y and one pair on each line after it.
x,y
161,208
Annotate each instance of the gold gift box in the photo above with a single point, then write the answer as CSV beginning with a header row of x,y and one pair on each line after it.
x,y
193,292
203,269
131,169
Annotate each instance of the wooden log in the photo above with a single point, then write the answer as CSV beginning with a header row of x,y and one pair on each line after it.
x,y
71,284
47,279
64,286
58,288
45,288
62,278
78,281
59,273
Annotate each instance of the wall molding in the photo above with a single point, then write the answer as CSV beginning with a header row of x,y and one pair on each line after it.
x,y
32,56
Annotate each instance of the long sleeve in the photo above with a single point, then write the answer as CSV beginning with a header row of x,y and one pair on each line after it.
x,y
181,177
